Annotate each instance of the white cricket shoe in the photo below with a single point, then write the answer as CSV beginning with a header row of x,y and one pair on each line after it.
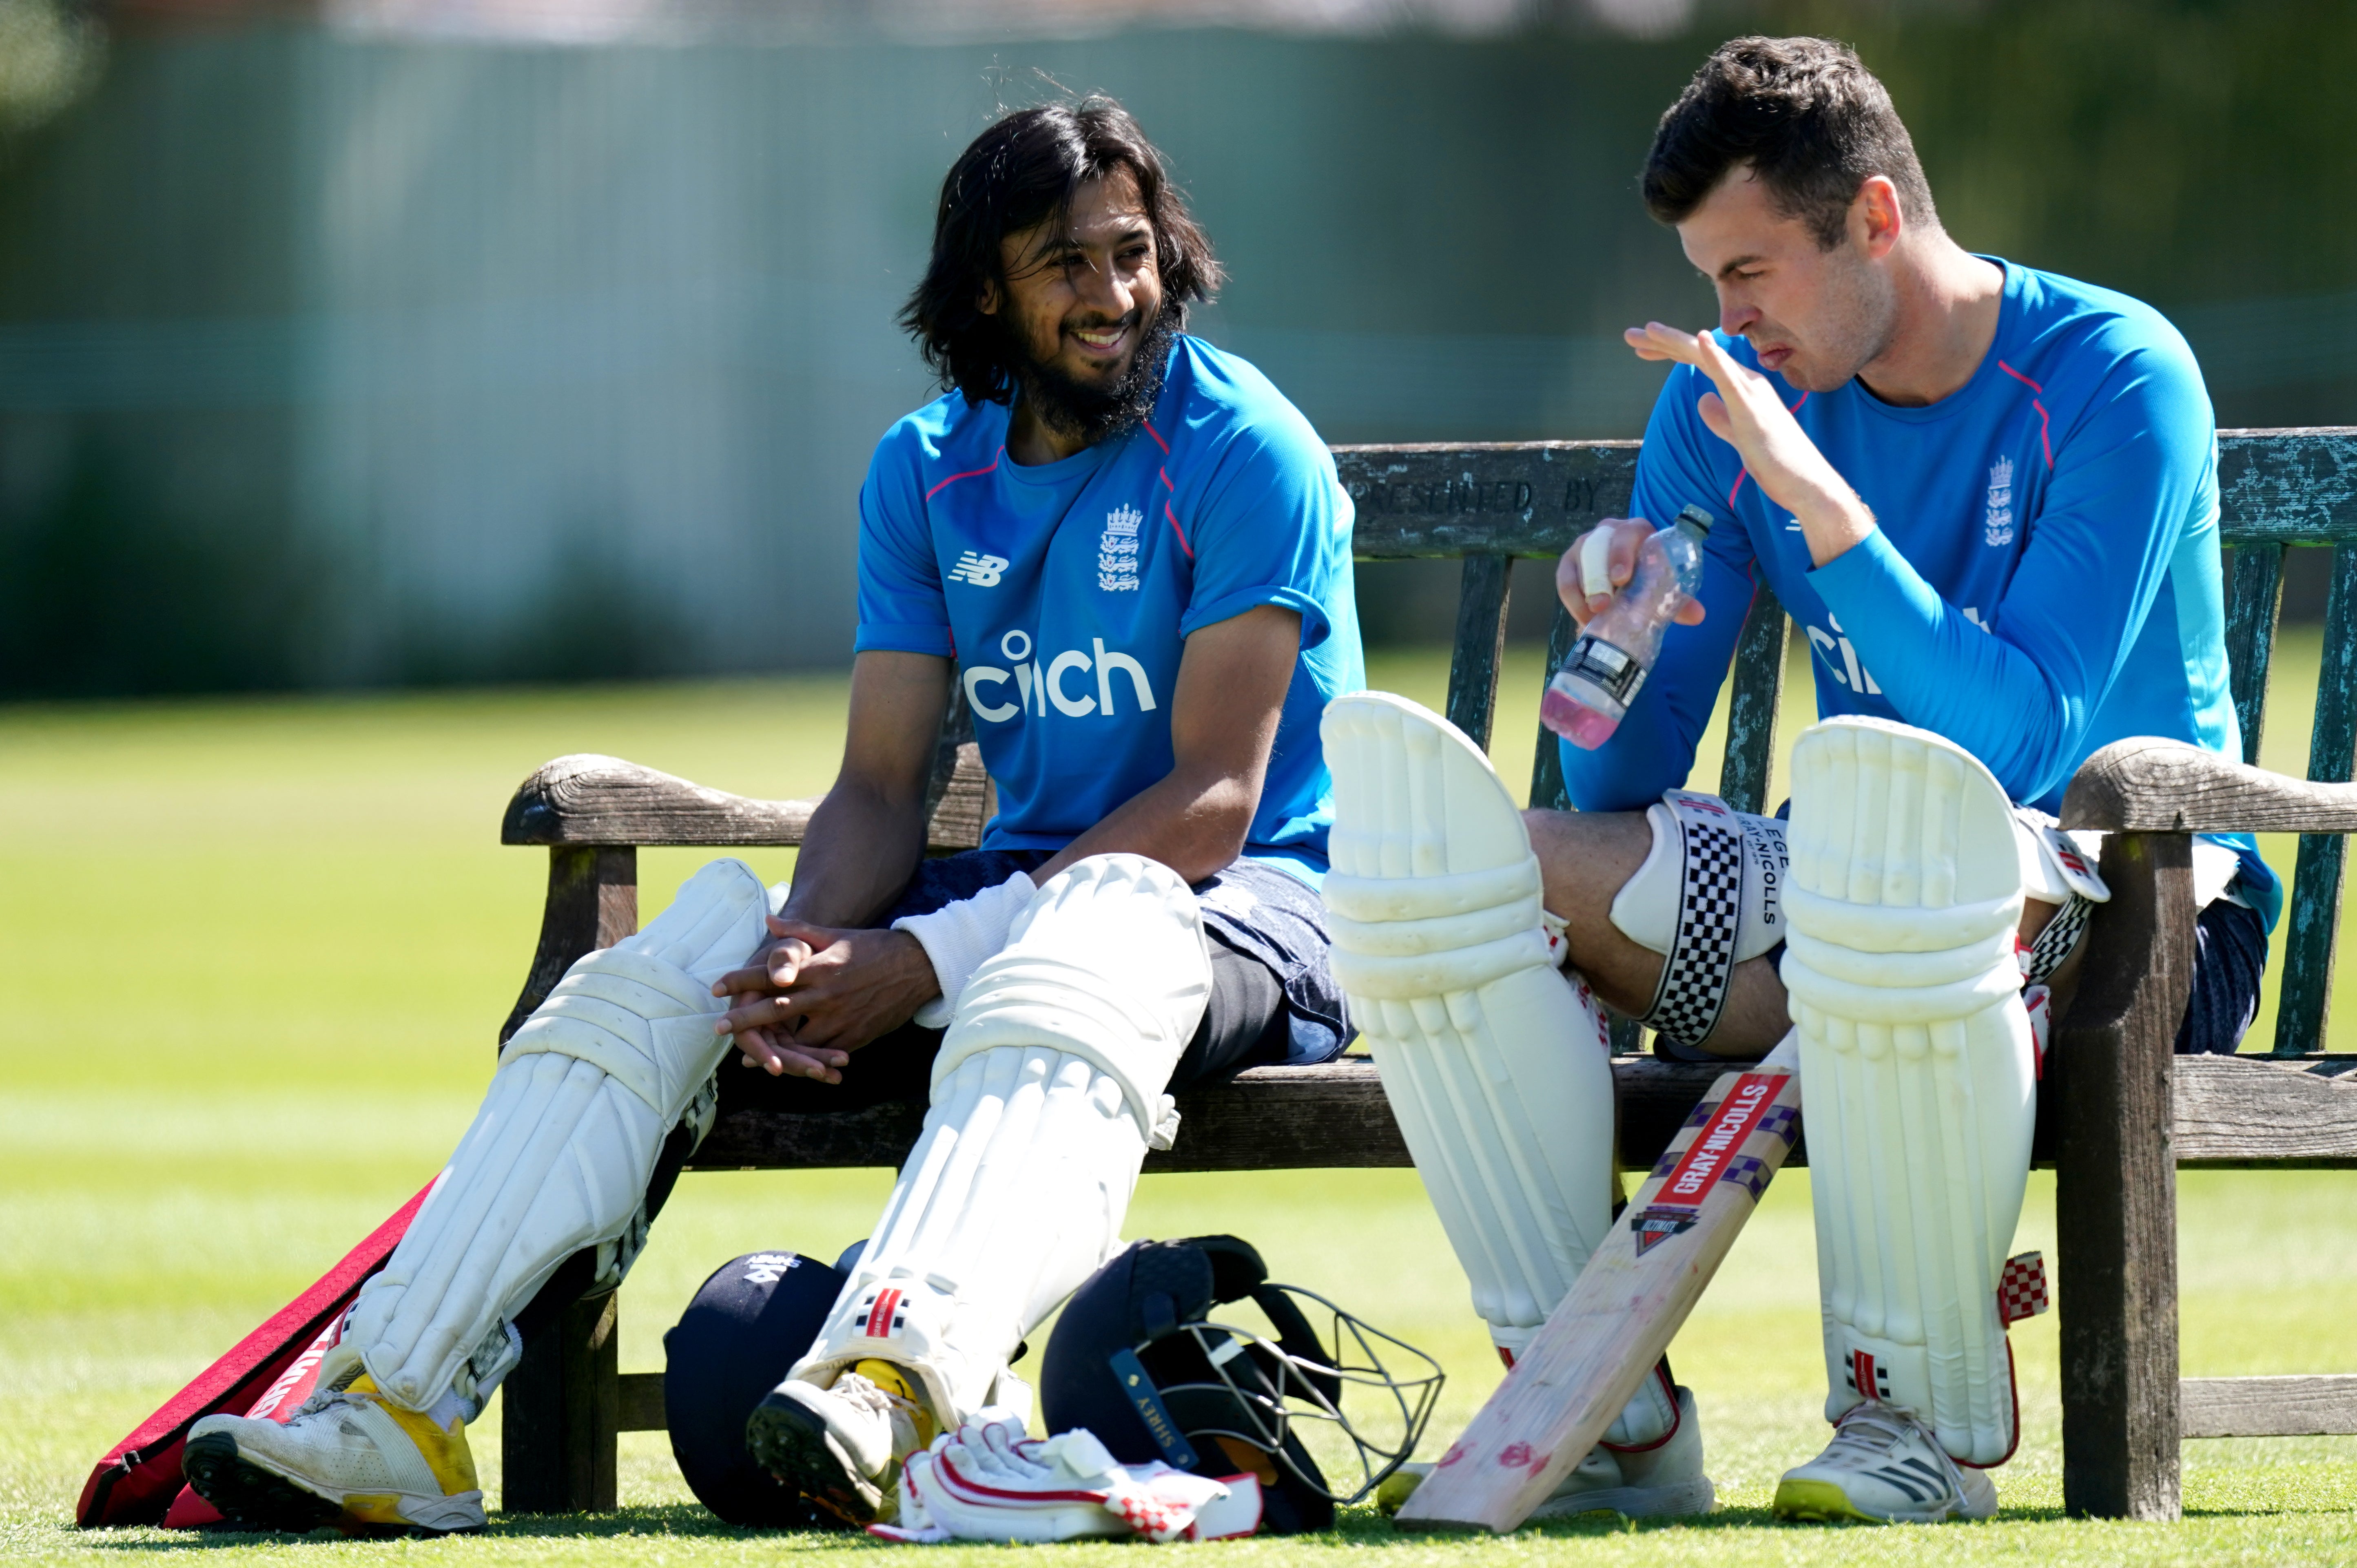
x,y
842,1446
1886,1466
345,1456
1653,1483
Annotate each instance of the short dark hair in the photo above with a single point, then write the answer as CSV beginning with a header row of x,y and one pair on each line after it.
x,y
1022,171
1811,122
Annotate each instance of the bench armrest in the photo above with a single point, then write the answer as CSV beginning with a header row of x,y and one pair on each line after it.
x,y
587,798
2149,785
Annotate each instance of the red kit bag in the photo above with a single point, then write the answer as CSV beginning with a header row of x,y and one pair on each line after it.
x,y
139,1480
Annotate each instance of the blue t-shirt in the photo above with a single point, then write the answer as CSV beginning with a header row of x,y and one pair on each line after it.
x,y
2044,579
1066,591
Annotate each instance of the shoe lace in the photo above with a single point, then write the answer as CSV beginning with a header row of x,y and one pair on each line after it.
x,y
1864,1432
853,1388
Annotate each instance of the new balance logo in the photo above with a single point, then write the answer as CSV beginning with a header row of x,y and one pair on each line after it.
x,y
768,1268
982,571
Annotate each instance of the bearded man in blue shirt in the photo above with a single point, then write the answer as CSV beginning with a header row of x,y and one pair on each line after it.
x,y
1988,497
1129,557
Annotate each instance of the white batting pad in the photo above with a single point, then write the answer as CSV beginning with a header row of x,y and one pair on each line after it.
x,y
1046,1094
1108,961
1916,1056
559,1156
1496,1066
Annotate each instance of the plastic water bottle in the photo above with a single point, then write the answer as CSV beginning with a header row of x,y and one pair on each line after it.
x,y
1590,695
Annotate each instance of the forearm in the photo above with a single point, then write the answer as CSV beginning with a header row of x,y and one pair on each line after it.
x,y
1193,821
1832,518
1946,674
860,849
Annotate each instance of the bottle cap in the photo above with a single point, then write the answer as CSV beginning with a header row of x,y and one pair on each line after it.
x,y
1697,518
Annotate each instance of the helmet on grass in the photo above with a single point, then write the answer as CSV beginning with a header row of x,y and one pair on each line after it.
x,y
1138,1360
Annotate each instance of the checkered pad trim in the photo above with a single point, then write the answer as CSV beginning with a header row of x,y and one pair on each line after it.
x,y
2021,1287
2058,940
1694,977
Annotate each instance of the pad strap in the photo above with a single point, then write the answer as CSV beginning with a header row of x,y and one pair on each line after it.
x,y
2057,941
1701,962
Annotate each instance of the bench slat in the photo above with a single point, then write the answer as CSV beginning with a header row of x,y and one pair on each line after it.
x,y
1752,710
2313,1406
1547,791
1480,646
1524,497
2253,601
2232,1112
2288,486
2307,999
2239,1111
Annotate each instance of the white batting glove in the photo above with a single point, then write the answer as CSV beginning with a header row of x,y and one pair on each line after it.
x,y
958,937
986,1481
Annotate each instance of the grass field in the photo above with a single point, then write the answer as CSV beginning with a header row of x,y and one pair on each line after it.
x,y
252,958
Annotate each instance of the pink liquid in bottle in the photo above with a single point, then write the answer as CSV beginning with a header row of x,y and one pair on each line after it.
x,y
1600,676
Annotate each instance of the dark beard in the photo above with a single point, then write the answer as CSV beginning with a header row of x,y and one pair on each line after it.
x,y
1088,413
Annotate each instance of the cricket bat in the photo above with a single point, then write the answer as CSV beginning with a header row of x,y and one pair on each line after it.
x,y
1602,1339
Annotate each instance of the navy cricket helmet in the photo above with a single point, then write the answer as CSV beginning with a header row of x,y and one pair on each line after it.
x,y
749,1322
1137,1359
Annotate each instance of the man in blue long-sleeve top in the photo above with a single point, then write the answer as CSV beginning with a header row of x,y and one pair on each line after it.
x,y
1989,497
1987,494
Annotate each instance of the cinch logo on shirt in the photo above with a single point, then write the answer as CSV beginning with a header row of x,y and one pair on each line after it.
x,y
1829,645
1036,690
1117,551
982,571
1840,654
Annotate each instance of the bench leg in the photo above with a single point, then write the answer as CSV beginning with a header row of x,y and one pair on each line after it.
x,y
2115,1187
593,902
562,1408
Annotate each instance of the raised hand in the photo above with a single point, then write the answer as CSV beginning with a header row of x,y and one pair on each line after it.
x,y
1745,412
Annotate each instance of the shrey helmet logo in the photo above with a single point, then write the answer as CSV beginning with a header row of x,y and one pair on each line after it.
x,y
1117,551
767,1268
982,571
1998,521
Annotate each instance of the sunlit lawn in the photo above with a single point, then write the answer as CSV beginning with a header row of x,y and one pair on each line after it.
x,y
253,955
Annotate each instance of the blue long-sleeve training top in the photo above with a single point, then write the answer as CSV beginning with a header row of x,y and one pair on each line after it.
x,y
2044,579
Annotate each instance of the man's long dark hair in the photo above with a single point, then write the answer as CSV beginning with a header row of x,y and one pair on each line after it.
x,y
1023,171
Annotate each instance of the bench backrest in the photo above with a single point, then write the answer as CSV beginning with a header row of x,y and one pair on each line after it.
x,y
1489,503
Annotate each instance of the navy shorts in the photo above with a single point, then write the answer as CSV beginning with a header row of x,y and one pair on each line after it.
x,y
1273,997
2230,954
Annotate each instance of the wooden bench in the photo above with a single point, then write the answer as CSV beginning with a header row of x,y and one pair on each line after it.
x,y
2118,1113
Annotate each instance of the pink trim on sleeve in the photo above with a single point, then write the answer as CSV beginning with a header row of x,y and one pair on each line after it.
x,y
969,474
2045,425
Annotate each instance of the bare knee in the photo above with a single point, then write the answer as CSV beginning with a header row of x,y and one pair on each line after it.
x,y
1586,857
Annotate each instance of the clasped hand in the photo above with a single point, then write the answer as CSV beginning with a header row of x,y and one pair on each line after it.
x,y
812,994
